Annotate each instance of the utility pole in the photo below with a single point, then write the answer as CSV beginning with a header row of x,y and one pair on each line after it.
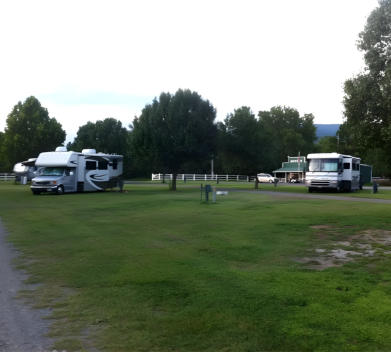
x,y
298,162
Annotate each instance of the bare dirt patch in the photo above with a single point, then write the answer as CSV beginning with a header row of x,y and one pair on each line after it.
x,y
22,329
368,243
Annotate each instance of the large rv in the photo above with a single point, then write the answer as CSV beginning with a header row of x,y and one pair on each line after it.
x,y
332,170
67,171
26,170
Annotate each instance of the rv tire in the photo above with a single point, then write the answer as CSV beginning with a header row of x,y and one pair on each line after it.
x,y
60,190
36,193
348,186
310,189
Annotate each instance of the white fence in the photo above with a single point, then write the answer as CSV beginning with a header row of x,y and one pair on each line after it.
x,y
7,177
204,177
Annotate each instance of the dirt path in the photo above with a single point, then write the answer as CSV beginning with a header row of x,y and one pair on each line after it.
x,y
311,196
22,328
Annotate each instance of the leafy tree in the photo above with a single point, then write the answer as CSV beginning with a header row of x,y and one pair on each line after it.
x,y
173,130
367,125
2,154
285,134
327,144
106,136
240,143
30,131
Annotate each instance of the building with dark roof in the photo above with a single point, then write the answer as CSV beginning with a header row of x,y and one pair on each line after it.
x,y
292,170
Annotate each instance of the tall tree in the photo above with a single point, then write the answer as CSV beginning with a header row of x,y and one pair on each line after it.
x,y
175,129
2,154
106,136
240,143
286,134
327,144
367,100
30,131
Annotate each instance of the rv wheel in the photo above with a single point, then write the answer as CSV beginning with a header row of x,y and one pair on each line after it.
x,y
36,193
60,190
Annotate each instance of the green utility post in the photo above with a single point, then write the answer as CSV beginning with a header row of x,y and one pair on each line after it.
x,y
208,189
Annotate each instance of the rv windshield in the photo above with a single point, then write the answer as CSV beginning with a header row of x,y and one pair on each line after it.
x,y
324,165
52,171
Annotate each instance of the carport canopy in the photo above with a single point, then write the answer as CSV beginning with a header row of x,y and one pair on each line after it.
x,y
290,170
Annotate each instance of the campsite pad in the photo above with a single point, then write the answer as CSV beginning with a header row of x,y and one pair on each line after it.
x,y
334,253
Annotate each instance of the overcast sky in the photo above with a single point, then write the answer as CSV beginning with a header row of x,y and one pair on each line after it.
x,y
88,60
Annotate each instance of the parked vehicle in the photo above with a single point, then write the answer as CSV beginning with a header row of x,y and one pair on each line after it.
x,y
365,174
25,170
266,178
332,171
67,171
294,180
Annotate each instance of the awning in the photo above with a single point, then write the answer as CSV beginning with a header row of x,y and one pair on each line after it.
x,y
291,167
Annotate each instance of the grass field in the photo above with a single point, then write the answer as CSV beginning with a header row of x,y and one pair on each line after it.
x,y
153,270
383,193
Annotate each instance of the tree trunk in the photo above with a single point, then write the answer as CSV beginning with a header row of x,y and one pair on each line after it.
x,y
173,182
256,182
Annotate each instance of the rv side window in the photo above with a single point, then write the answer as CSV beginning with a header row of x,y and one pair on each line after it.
x,y
346,166
90,165
115,163
102,165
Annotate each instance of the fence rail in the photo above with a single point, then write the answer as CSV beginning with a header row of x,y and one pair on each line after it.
x,y
204,177
7,177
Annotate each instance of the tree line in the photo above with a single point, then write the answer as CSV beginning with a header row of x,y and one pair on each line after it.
x,y
178,133
175,133
366,130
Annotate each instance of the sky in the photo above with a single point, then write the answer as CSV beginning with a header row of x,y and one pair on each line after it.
x,y
88,60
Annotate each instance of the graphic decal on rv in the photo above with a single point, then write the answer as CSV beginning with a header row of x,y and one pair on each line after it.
x,y
94,177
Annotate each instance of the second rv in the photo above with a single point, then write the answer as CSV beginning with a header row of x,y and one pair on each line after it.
x,y
332,170
67,171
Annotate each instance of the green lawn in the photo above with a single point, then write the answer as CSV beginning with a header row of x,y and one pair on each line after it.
x,y
365,193
153,270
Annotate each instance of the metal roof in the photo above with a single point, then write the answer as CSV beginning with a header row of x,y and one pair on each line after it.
x,y
292,167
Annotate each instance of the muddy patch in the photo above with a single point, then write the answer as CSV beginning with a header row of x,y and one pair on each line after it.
x,y
332,253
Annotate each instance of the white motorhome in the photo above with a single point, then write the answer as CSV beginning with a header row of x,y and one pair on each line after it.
x,y
67,171
25,169
332,170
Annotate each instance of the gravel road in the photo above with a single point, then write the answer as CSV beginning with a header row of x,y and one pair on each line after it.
x,y
309,195
22,329
329,197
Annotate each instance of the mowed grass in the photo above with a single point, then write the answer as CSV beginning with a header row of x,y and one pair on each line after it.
x,y
383,193
154,270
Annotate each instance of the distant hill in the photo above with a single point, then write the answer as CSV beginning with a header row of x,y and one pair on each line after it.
x,y
323,130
